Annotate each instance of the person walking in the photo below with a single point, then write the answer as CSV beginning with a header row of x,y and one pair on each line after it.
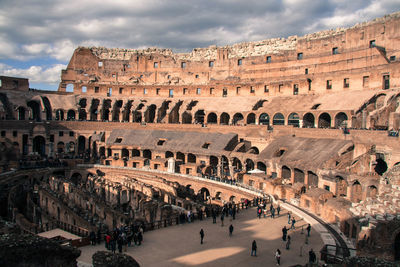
x,y
273,213
288,217
230,230
284,233
311,257
222,219
308,229
254,248
288,242
278,257
201,236
278,209
293,222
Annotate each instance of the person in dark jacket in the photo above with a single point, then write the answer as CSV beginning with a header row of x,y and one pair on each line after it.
x,y
201,236
254,248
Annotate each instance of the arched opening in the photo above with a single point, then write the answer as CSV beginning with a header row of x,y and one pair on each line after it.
x,y
135,153
127,111
238,117
60,147
105,112
186,118
204,194
340,120
59,115
298,176
356,192
341,186
180,156
47,108
147,154
69,88
264,119
125,153
249,165
224,119
76,178
254,150
312,179
71,147
199,116
237,165
225,166
21,113
218,195
251,118
278,119
286,172
39,145
116,110
35,110
136,116
102,152
94,109
150,114
262,167
71,115
81,144
191,158
308,120
82,115
212,118
213,163
372,191
324,120
169,154
294,119
232,199
381,166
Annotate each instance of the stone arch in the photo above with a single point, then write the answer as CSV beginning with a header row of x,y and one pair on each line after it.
x,y
82,116
263,119
324,120
199,116
35,110
102,151
180,156
254,150
262,167
312,179
116,110
147,154
47,108
249,165
150,113
81,144
251,118
21,113
237,118
136,116
224,119
278,119
76,178
286,173
125,153
237,164
39,145
94,109
127,111
191,158
204,193
298,176
356,191
308,120
372,191
232,199
214,163
341,186
294,119
186,118
60,147
71,115
135,152
340,119
218,195
212,118
169,154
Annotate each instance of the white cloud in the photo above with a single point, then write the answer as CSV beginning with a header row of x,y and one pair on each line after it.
x,y
35,74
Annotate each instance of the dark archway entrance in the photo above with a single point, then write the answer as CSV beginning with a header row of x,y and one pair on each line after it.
x,y
81,144
397,247
39,145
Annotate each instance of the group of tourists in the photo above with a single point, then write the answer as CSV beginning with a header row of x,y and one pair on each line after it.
x,y
123,237
262,210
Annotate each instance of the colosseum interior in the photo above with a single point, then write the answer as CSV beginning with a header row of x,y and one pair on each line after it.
x,y
139,135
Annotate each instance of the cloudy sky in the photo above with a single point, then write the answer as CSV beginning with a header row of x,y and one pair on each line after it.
x,y
37,37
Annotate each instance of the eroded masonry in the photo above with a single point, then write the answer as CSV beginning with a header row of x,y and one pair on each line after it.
x,y
143,135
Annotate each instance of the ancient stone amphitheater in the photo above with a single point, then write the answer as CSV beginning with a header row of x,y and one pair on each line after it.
x,y
140,135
